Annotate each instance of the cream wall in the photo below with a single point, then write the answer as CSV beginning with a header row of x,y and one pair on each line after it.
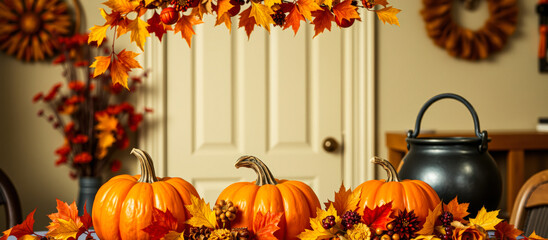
x,y
506,90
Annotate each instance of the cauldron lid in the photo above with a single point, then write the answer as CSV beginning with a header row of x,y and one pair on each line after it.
x,y
445,140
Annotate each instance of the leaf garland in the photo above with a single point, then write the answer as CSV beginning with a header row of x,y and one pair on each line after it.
x,y
126,16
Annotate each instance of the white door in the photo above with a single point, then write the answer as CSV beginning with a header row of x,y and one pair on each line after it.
x,y
276,96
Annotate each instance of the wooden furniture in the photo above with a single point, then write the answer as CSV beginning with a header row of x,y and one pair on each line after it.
x,y
515,143
10,200
531,206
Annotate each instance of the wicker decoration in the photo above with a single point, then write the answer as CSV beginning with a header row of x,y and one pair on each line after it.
x,y
28,28
465,43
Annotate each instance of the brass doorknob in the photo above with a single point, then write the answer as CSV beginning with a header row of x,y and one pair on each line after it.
x,y
330,144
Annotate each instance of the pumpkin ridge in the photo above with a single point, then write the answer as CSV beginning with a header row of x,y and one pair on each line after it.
x,y
297,221
312,205
116,188
166,197
138,201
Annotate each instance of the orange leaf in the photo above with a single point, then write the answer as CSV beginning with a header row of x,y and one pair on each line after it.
x,y
247,22
322,20
222,7
225,18
265,225
199,11
459,211
384,3
378,217
65,212
429,225
98,34
306,7
388,15
534,236
345,200
25,228
139,32
262,15
6,234
294,19
119,73
185,26
345,10
122,6
100,64
503,230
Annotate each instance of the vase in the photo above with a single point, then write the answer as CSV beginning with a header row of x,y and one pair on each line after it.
x,y
88,187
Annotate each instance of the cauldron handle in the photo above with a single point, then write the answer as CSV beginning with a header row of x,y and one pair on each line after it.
x,y
481,135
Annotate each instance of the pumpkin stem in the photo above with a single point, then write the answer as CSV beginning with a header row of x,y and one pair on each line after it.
x,y
390,170
148,174
264,176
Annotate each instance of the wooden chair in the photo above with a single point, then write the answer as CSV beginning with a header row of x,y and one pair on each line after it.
x,y
530,211
10,200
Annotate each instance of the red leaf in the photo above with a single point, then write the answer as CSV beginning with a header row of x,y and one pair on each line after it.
x,y
345,10
25,228
264,226
378,217
322,20
506,231
86,219
156,26
162,223
247,21
294,19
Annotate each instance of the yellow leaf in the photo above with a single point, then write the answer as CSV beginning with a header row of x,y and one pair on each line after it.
x,y
534,236
306,7
128,59
98,34
147,2
428,227
67,229
122,6
222,7
120,67
388,15
29,237
101,65
316,223
202,215
261,14
172,235
426,237
106,123
139,32
270,3
345,200
225,18
486,220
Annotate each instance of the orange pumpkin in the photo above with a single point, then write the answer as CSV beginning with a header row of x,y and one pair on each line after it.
x,y
407,194
123,206
296,200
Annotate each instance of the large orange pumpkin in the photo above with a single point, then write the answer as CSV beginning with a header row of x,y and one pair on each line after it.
x,y
407,194
296,200
123,206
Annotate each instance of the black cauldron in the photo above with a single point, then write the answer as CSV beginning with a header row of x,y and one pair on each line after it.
x,y
454,166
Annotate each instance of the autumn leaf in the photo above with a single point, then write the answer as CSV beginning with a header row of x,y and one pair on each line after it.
x,y
119,68
306,7
61,219
185,26
65,230
156,26
459,211
345,200
345,10
106,122
222,7
202,215
261,14
388,15
98,34
318,231
384,3
378,217
208,5
172,235
486,220
270,3
25,228
503,230
101,65
139,32
6,234
294,19
162,224
265,225
122,6
225,18
534,236
322,20
198,11
429,224
247,22
427,237
86,218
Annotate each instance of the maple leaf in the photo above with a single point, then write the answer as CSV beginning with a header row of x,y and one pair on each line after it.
x,y
322,20
122,6
101,65
25,228
156,26
106,123
185,26
208,5
261,14
199,11
503,230
139,32
247,22
378,217
294,19
534,236
384,3
270,3
225,18
86,218
120,67
427,237
318,231
202,215
172,235
66,229
459,211
222,7
306,7
388,15
265,225
345,10
429,224
6,234
98,34
345,200
162,223
486,220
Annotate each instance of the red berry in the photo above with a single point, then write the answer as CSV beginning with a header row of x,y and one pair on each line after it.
x,y
169,15
367,4
344,23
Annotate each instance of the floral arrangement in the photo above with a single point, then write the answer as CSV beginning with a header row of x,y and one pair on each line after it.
x,y
93,115
182,15
340,220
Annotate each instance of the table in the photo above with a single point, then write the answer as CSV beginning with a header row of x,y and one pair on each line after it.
x,y
515,143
